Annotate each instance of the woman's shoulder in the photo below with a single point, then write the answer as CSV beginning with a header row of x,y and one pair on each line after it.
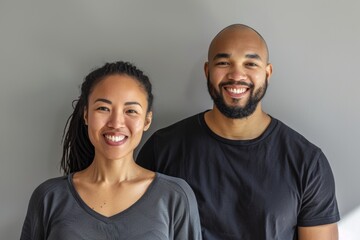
x,y
177,193
50,187
175,184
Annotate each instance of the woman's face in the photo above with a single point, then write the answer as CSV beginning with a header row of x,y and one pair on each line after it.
x,y
117,116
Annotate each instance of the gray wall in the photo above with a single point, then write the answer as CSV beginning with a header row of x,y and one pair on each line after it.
x,y
47,47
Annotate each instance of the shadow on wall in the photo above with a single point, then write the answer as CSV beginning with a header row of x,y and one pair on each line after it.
x,y
349,225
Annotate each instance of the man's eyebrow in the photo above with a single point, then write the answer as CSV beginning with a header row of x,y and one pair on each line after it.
x,y
253,56
227,55
221,55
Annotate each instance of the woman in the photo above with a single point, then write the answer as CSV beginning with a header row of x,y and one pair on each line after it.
x,y
105,194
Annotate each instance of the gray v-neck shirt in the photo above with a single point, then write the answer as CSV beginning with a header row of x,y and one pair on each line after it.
x,y
167,210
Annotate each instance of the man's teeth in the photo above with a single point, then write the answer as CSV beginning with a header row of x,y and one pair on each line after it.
x,y
114,138
236,90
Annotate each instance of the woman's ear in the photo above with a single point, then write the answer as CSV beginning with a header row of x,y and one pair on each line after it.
x,y
148,120
85,115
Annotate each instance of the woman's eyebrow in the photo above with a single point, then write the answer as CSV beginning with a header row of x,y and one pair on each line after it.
x,y
133,103
103,100
110,102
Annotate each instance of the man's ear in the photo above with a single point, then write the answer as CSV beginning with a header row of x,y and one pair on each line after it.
x,y
268,70
85,115
148,120
206,69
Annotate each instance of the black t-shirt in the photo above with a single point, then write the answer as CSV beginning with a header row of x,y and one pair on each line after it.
x,y
247,189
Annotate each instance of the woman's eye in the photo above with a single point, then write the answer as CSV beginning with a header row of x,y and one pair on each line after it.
x,y
105,109
132,111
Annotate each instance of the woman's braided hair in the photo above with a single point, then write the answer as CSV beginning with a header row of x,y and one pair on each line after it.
x,y
78,151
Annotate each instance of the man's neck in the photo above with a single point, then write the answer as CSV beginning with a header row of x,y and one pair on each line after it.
x,y
238,129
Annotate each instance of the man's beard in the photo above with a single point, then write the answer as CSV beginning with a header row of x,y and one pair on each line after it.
x,y
236,112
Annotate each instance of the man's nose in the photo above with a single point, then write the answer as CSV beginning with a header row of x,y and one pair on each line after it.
x,y
237,73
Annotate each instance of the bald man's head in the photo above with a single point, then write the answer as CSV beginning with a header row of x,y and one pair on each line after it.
x,y
238,32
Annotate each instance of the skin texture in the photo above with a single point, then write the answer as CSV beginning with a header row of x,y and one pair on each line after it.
x,y
238,59
113,182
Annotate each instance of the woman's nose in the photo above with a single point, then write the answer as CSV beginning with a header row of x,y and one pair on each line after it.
x,y
116,120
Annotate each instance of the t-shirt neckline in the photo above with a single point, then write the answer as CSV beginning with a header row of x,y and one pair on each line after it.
x,y
118,215
264,135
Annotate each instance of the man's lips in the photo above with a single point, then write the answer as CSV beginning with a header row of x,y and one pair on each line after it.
x,y
236,91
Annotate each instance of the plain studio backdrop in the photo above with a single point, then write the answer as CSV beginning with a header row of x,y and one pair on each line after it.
x,y
47,47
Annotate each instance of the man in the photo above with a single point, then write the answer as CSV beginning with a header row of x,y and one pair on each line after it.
x,y
253,176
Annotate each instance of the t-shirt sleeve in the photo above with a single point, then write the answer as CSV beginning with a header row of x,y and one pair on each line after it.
x,y
187,223
33,228
319,205
146,156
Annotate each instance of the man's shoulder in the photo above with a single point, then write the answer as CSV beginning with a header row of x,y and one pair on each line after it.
x,y
292,137
184,126
165,144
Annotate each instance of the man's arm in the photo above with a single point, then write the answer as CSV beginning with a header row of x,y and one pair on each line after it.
x,y
320,232
319,212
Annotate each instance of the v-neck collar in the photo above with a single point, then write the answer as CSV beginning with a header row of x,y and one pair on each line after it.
x,y
116,216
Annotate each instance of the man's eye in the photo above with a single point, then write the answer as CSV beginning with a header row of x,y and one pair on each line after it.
x,y
251,64
222,63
